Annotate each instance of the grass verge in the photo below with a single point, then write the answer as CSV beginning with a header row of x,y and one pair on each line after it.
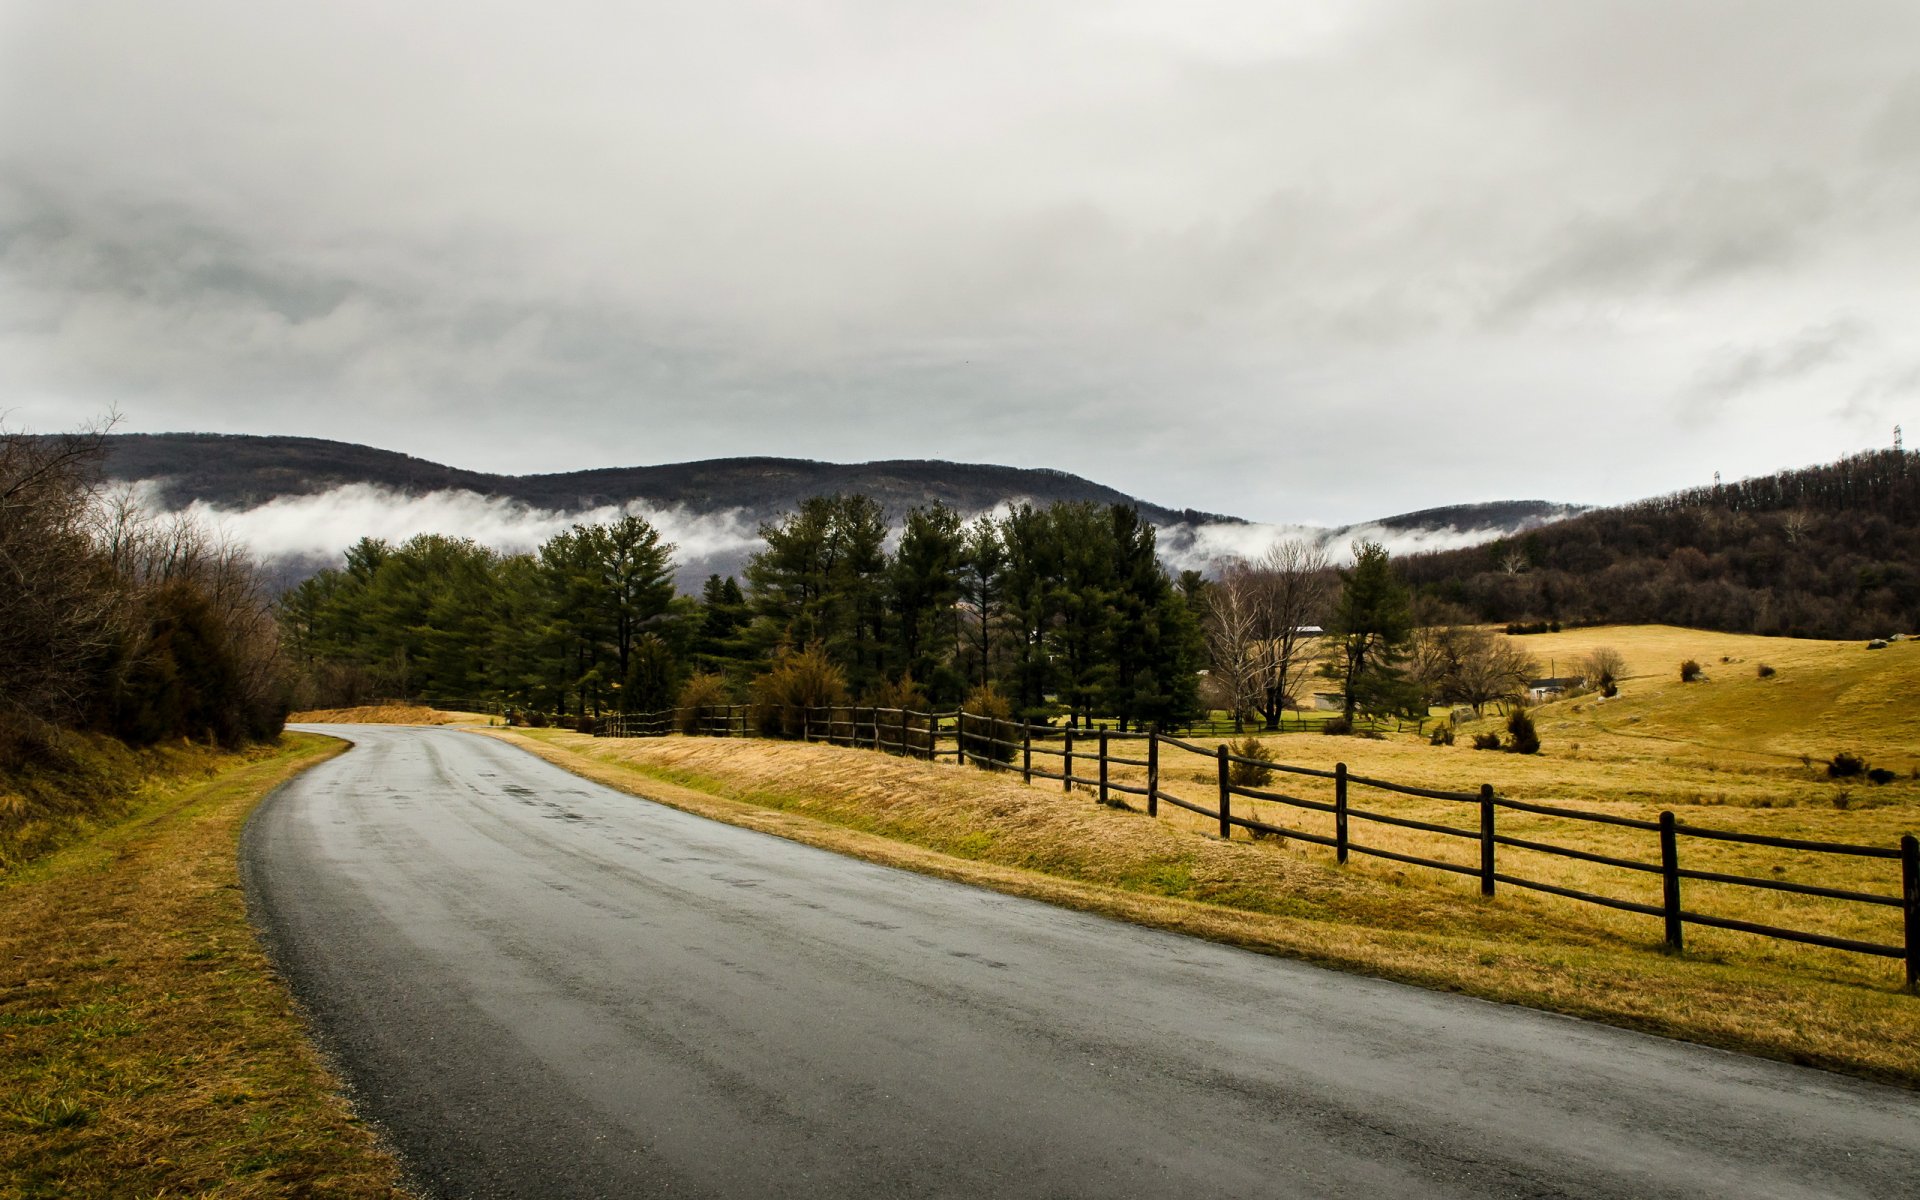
x,y
990,830
146,1049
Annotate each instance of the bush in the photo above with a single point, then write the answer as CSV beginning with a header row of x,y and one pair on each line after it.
x,y
1338,727
1765,671
698,699
1486,741
1520,729
908,725
586,725
989,723
1881,775
796,683
1442,734
1845,766
1689,671
536,719
1246,774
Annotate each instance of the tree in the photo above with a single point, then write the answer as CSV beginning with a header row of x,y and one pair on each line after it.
x,y
1232,628
1032,551
925,583
1604,668
1463,664
1292,586
821,581
1371,627
983,565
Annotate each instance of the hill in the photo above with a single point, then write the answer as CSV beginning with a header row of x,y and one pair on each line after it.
x,y
236,471
1831,551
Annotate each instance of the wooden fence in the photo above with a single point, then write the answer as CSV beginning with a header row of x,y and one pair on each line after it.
x,y
1087,758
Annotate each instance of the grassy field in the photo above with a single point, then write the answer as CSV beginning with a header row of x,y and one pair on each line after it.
x,y
1734,751
146,1049
1723,753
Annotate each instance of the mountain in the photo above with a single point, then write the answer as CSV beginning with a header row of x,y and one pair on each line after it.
x,y
1825,551
237,471
299,501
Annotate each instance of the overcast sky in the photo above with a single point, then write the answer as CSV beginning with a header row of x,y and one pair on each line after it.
x,y
1291,261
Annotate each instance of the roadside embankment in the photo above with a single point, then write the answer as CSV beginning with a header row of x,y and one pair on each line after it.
x,y
146,1047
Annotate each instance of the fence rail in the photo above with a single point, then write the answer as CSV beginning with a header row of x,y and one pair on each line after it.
x,y
1086,758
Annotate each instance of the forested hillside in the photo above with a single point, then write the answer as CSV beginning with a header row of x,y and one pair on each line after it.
x,y
1829,551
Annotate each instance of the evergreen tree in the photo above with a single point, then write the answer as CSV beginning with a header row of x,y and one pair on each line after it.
x,y
925,584
1372,628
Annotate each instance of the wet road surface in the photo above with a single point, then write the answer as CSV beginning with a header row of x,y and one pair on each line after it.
x,y
539,986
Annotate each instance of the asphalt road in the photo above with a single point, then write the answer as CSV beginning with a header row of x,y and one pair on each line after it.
x,y
543,987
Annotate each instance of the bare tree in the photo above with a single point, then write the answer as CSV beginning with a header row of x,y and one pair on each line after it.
x,y
1233,625
1463,664
59,611
1604,668
1295,588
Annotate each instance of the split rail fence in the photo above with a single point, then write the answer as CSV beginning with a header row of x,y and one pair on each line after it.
x,y
1088,758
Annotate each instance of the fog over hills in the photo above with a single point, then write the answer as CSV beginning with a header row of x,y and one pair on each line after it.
x,y
298,502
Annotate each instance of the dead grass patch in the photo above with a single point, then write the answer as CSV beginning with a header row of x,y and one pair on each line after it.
x,y
379,714
1401,923
146,1049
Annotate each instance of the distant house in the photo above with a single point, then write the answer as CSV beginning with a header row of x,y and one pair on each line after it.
x,y
1553,689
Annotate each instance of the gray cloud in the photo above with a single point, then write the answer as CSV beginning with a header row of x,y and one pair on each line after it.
x,y
1292,261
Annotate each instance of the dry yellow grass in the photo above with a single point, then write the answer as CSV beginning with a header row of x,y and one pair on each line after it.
x,y
381,714
145,1047
1403,923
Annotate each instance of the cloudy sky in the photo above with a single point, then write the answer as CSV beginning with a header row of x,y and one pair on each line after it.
x,y
1292,261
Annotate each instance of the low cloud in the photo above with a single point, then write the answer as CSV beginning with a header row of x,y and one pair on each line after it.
x,y
296,534
1199,547
318,528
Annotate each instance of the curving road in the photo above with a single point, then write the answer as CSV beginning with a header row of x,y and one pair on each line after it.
x,y
542,987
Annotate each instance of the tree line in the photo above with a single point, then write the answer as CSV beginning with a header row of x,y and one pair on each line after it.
x,y
118,621
1064,609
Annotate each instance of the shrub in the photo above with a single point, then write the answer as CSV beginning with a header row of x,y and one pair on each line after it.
x,y
1765,671
1338,727
989,724
798,681
1881,775
585,725
536,719
1845,766
1442,734
1689,671
1842,798
1246,774
1486,741
1520,729
698,699
908,725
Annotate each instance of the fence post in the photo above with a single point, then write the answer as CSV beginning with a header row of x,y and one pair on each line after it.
x,y
1910,892
1486,839
1103,766
960,736
1340,812
1026,752
1670,882
1066,764
1153,772
1226,795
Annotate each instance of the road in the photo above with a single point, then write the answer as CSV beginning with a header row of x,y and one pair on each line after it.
x,y
539,986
